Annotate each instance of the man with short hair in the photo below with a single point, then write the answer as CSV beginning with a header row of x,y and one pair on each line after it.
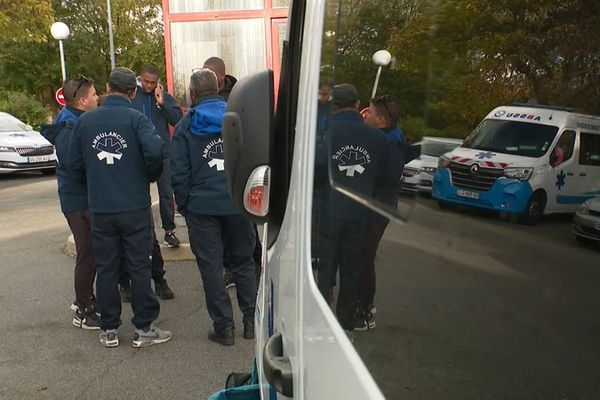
x,y
226,82
80,95
384,114
120,153
162,110
202,194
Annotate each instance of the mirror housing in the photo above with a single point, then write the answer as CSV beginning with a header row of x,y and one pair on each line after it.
x,y
247,142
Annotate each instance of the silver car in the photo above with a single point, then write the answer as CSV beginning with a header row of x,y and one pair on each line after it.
x,y
22,148
586,223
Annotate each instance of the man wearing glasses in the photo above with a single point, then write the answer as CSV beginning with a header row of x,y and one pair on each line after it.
x,y
80,96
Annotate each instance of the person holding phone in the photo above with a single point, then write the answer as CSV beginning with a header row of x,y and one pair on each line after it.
x,y
162,110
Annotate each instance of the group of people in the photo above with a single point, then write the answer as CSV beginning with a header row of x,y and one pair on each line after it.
x,y
356,159
109,150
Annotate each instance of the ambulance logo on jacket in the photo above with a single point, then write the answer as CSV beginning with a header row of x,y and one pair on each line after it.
x,y
110,146
352,159
213,152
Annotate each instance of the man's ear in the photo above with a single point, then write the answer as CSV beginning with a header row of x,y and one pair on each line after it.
x,y
133,92
107,88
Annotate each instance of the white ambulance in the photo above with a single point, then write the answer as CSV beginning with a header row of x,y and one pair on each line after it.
x,y
526,160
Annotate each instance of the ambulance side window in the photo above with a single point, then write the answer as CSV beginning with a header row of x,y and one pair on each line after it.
x,y
589,154
564,149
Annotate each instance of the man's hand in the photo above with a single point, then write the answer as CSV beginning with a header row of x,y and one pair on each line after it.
x,y
158,94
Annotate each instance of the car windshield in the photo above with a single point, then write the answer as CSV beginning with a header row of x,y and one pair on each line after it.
x,y
512,137
8,123
436,149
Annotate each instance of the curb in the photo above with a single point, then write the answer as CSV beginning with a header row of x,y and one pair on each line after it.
x,y
181,253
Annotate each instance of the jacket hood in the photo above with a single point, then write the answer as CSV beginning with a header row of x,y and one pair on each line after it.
x,y
230,81
66,117
207,116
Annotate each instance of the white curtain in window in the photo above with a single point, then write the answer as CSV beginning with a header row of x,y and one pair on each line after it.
x,y
240,43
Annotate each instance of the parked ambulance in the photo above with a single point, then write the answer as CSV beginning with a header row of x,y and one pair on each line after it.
x,y
526,160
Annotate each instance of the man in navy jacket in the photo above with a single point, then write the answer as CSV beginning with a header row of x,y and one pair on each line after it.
x,y
81,96
162,110
120,153
202,196
356,159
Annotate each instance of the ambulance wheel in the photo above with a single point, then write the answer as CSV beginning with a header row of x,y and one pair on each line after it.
x,y
583,240
534,209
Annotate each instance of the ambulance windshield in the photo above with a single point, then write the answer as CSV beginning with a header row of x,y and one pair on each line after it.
x,y
512,137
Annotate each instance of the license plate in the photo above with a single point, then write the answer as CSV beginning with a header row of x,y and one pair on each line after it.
x,y
38,159
468,194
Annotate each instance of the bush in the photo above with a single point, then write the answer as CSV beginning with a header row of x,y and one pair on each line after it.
x,y
24,107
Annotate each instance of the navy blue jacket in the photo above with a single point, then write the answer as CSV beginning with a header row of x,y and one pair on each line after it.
x,y
360,160
72,190
120,153
394,135
168,113
197,164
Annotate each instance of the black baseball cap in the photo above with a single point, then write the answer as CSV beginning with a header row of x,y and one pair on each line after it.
x,y
344,95
122,78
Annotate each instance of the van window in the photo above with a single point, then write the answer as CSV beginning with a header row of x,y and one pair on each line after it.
x,y
512,137
589,154
564,149
453,303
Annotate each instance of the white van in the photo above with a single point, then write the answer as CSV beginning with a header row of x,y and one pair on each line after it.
x,y
526,160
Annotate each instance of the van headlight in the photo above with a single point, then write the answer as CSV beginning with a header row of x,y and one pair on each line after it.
x,y
6,149
443,162
429,170
521,174
584,209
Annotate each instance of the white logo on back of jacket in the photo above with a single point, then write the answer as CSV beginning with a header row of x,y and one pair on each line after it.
x,y
352,159
110,146
213,152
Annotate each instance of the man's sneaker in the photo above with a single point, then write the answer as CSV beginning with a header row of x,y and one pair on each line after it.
x,y
125,293
171,240
92,307
86,319
248,331
365,321
149,336
163,290
229,279
109,338
224,336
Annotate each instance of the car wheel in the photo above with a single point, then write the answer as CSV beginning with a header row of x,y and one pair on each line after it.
x,y
49,171
534,209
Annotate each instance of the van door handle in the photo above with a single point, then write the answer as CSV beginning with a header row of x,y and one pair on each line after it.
x,y
570,174
277,368
582,174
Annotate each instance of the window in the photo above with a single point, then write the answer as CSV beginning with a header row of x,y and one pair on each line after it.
x,y
564,149
589,153
188,6
235,41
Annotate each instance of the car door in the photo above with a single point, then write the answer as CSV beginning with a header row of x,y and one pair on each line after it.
x,y
563,170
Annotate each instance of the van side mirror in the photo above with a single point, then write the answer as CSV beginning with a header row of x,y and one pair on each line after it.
x,y
247,141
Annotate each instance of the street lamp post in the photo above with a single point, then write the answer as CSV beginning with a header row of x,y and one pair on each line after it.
x,y
110,35
60,31
381,58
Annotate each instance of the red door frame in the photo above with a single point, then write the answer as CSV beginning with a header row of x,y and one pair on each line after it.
x,y
269,14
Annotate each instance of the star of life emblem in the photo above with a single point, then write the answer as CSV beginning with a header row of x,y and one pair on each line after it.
x,y
110,147
213,152
352,160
